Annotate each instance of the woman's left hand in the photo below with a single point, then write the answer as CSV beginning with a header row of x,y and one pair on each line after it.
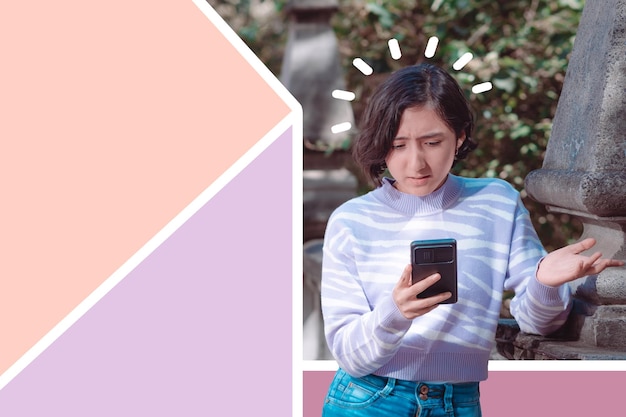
x,y
567,264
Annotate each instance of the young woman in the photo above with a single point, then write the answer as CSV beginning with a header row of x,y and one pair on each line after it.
x,y
399,354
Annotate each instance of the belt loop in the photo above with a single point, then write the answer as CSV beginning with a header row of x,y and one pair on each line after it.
x,y
447,399
391,383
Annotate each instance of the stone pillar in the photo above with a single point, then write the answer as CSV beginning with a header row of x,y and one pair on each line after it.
x,y
311,70
584,171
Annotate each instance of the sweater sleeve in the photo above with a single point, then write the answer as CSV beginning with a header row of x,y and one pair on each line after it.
x,y
537,308
360,338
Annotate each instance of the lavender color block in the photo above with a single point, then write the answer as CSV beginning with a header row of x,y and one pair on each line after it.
x,y
201,328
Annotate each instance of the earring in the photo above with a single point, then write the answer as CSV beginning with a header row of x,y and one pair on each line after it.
x,y
383,167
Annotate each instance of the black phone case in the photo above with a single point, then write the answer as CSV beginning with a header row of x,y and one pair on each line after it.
x,y
430,264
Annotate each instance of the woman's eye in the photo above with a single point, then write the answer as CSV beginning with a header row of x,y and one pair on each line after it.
x,y
433,143
397,146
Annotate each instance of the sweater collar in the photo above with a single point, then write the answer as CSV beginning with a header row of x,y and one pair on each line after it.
x,y
410,204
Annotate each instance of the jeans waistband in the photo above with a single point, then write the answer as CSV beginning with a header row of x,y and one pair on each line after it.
x,y
432,390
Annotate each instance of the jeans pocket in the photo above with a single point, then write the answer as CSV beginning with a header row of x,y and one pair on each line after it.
x,y
349,392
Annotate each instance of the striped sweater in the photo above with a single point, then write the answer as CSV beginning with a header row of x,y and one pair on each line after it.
x,y
366,247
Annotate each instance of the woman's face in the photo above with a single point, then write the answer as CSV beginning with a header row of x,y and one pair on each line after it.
x,y
422,152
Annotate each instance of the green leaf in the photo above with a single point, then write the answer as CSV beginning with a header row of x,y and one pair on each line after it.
x,y
520,132
506,84
384,16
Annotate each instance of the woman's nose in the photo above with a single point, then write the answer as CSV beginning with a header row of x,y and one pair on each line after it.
x,y
417,161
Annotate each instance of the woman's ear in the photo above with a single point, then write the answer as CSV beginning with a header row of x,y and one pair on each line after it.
x,y
459,142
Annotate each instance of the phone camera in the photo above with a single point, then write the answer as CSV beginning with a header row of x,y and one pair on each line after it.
x,y
434,255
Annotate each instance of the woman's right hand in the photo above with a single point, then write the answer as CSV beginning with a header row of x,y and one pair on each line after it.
x,y
405,295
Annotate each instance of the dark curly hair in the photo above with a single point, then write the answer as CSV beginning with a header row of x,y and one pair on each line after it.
x,y
413,86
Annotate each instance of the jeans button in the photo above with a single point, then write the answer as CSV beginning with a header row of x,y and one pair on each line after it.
x,y
423,392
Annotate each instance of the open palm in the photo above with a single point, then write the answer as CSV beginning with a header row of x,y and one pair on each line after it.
x,y
567,264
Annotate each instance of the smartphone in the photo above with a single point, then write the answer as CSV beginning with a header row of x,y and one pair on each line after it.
x,y
431,256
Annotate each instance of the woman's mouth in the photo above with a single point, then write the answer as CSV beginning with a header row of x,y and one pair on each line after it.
x,y
419,179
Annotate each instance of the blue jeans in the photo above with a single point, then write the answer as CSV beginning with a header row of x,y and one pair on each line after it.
x,y
373,395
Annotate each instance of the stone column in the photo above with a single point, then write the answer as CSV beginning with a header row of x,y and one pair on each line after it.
x,y
311,70
584,171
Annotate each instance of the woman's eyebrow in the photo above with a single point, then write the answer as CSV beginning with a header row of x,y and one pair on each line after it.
x,y
425,136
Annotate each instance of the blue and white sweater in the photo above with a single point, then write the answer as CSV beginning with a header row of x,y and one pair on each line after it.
x,y
366,248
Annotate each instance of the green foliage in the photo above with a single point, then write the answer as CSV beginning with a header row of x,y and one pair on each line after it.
x,y
522,47
261,24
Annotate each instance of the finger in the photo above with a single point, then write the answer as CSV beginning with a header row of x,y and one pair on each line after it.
x,y
612,262
616,262
405,278
404,282
583,245
422,284
431,302
595,269
602,264
439,298
593,259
